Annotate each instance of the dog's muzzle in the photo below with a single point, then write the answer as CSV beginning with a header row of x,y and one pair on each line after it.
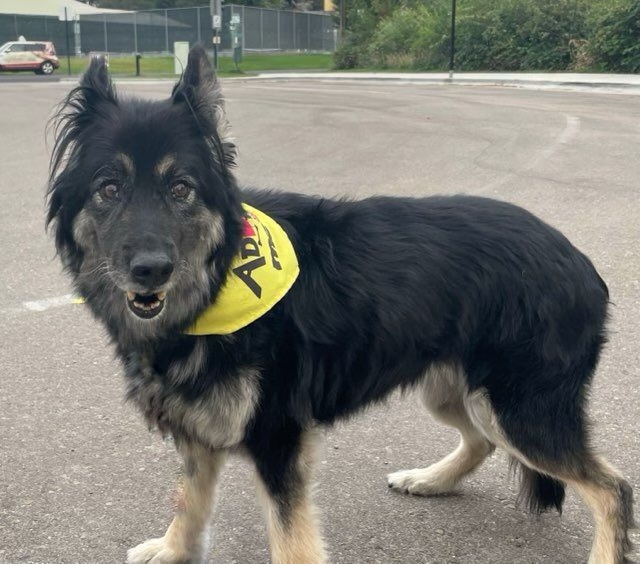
x,y
149,269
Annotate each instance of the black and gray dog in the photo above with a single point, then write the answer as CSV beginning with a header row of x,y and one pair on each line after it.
x,y
492,315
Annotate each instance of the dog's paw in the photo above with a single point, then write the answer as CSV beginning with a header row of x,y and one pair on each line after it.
x,y
421,481
156,551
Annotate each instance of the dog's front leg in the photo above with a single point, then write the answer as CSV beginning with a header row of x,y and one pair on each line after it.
x,y
284,488
186,539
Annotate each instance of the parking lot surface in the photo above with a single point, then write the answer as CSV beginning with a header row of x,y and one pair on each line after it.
x,y
82,480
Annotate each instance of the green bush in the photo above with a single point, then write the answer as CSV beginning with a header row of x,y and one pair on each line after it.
x,y
509,35
520,35
346,56
394,36
615,43
411,37
432,45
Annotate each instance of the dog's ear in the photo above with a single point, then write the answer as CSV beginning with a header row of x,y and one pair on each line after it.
x,y
199,89
79,110
96,85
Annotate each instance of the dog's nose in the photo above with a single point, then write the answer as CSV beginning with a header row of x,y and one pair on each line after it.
x,y
151,269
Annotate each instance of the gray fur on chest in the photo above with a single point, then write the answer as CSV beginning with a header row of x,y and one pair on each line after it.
x,y
216,418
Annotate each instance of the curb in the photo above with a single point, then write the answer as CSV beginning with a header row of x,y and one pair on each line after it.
x,y
629,83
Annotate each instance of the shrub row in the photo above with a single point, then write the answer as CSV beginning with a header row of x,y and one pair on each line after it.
x,y
510,35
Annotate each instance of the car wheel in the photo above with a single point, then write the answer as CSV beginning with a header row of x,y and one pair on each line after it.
x,y
46,68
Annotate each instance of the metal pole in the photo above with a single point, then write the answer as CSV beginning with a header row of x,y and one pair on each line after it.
x,y
453,38
243,30
261,29
215,49
308,31
77,36
215,10
135,32
106,42
198,20
278,21
166,30
66,32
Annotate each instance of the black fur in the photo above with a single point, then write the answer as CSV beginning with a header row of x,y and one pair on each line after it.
x,y
387,287
537,491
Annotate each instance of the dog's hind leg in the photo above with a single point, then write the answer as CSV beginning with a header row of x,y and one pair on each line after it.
x,y
443,394
610,498
186,539
284,489
552,446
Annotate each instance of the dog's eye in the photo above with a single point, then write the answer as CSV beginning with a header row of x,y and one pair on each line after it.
x,y
109,191
180,190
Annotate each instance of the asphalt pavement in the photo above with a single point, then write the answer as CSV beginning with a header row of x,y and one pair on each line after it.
x,y
82,480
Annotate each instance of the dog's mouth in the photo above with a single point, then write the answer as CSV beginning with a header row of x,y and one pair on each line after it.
x,y
146,306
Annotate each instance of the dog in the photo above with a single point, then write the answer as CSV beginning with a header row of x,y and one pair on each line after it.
x,y
489,313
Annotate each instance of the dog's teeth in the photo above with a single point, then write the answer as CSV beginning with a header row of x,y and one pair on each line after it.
x,y
161,295
147,307
131,296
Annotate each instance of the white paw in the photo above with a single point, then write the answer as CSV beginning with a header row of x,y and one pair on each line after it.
x,y
421,481
156,551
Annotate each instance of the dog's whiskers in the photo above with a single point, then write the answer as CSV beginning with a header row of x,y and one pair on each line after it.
x,y
102,268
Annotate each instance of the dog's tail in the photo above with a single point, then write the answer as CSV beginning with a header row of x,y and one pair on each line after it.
x,y
537,491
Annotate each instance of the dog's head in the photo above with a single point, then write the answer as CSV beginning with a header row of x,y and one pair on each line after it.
x,y
146,211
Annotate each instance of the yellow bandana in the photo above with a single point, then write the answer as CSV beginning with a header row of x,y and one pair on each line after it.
x,y
259,277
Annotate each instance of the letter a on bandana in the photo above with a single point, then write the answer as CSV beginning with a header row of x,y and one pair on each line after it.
x,y
260,275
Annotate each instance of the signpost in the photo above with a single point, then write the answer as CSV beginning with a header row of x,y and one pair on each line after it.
x,y
66,15
452,53
216,24
235,28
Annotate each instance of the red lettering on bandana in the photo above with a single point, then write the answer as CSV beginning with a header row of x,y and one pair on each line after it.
x,y
247,228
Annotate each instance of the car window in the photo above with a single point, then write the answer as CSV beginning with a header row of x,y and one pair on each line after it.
x,y
37,47
16,47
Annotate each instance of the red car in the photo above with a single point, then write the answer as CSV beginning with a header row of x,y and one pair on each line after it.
x,y
37,56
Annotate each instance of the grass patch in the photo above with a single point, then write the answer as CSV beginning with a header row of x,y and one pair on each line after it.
x,y
153,66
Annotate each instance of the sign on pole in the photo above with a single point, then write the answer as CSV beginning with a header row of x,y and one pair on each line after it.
x,y
216,13
216,24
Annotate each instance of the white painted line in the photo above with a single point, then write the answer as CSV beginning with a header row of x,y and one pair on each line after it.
x,y
48,303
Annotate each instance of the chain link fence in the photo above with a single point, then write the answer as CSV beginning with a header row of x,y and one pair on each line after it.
x,y
155,31
40,28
